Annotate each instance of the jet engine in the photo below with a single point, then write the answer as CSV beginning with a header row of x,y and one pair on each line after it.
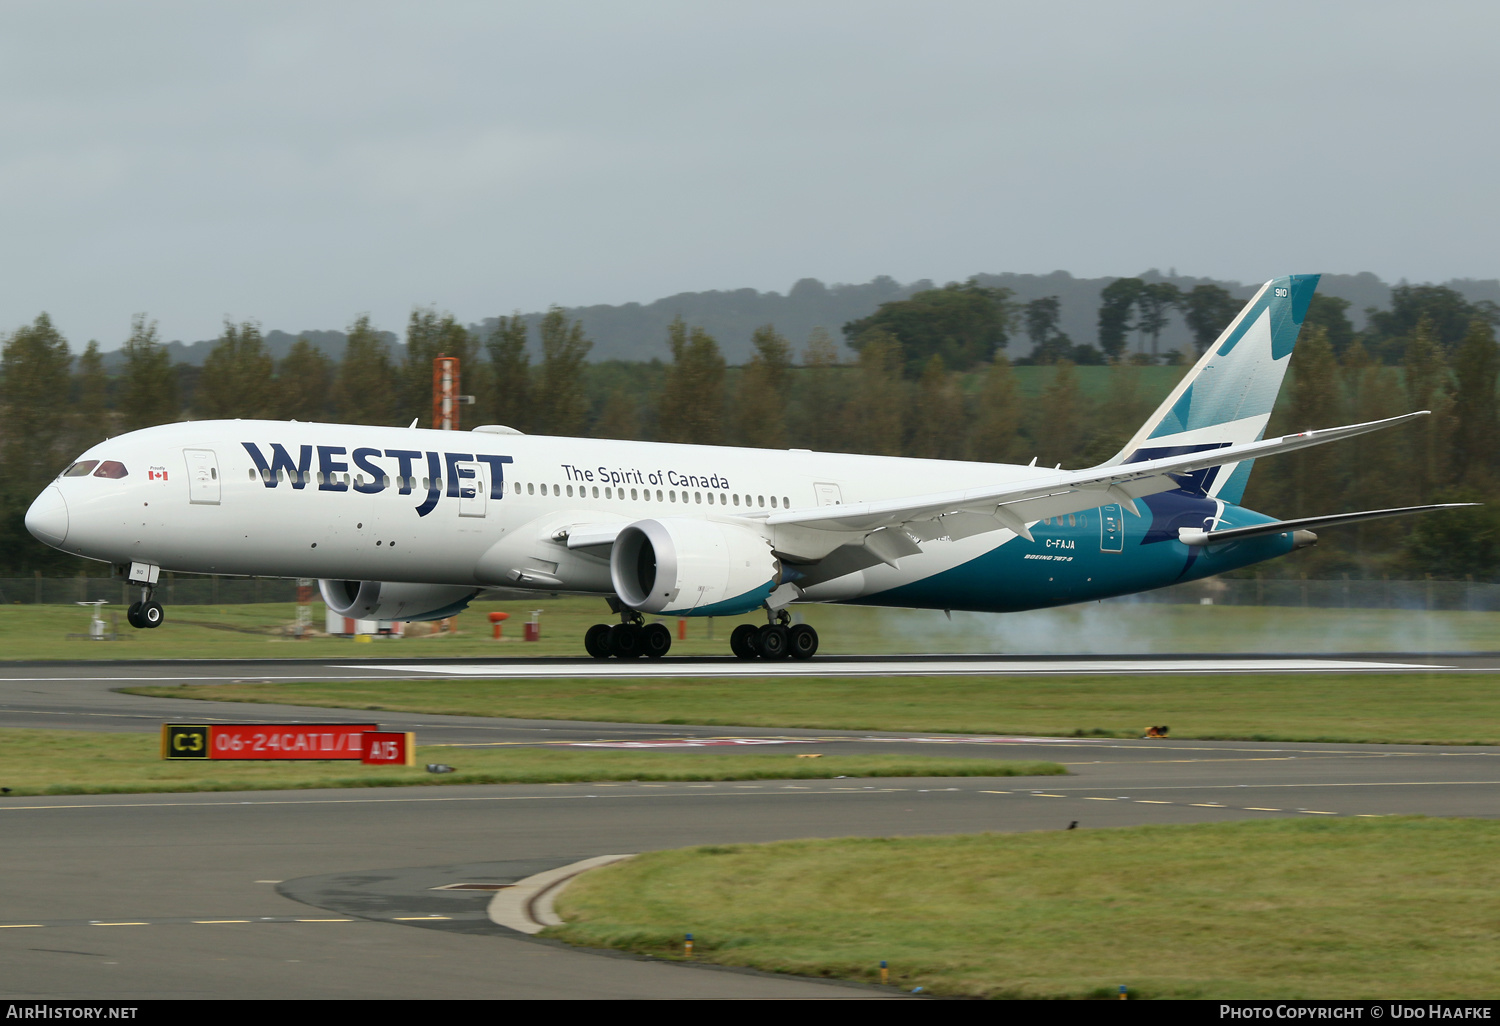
x,y
692,567
382,600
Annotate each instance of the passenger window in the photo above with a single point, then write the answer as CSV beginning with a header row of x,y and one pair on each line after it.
x,y
671,496
710,498
698,497
762,499
570,491
773,502
658,495
1071,521
531,489
557,489
596,491
115,469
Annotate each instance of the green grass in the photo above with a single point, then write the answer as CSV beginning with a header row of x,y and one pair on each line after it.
x,y
258,631
1421,708
46,762
1272,909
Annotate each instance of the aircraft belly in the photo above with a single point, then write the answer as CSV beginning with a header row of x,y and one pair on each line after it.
x,y
1063,565
529,556
301,534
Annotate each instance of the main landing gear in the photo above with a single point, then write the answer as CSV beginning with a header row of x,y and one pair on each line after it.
x,y
147,612
778,639
631,638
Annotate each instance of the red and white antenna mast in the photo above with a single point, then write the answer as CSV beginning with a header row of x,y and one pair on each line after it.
x,y
445,397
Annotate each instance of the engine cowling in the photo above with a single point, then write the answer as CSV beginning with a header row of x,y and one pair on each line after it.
x,y
692,567
382,600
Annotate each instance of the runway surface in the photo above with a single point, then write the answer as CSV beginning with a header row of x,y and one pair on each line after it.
x,y
332,893
210,671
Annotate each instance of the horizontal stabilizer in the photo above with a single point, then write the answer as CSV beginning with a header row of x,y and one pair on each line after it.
x,y
1191,536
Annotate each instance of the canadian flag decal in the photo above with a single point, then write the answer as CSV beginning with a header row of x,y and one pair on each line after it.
x,y
155,474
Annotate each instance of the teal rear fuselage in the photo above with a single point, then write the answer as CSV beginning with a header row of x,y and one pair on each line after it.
x,y
1095,554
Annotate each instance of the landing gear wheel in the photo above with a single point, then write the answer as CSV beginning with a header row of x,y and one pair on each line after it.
x,y
133,615
742,641
152,614
803,641
625,641
596,641
656,640
773,641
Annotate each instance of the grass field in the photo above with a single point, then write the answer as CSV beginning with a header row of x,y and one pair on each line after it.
x,y
42,762
1452,708
257,631
1275,909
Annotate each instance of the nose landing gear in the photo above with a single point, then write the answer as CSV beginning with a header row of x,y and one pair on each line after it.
x,y
146,612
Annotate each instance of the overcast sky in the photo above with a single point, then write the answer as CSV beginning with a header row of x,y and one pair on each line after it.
x,y
300,163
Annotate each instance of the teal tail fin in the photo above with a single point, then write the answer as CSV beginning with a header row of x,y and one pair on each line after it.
x,y
1228,395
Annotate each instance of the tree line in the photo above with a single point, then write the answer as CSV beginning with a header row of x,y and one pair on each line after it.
x,y
929,378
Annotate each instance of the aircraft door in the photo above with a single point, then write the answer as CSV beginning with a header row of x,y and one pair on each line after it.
x,y
473,493
203,476
1111,528
828,494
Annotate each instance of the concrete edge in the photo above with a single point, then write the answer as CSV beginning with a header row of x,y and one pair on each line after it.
x,y
528,905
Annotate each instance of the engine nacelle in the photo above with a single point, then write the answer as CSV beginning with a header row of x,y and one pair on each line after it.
x,y
382,600
692,567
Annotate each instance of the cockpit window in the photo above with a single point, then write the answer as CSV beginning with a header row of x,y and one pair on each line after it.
x,y
81,468
111,468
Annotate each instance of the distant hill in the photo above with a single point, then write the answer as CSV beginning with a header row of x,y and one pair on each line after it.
x,y
638,332
1080,299
278,344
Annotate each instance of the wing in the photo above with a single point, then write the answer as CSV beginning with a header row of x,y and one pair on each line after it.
x,y
1017,504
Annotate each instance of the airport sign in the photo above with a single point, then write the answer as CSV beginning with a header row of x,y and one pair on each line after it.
x,y
265,741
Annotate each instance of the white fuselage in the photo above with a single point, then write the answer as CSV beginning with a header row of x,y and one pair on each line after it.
x,y
340,501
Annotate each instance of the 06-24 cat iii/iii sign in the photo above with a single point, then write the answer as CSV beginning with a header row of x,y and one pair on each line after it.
x,y
268,741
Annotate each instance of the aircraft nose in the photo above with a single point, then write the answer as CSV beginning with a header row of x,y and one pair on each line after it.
x,y
47,519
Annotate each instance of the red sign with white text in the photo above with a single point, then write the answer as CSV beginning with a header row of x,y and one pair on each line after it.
x,y
288,740
390,748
